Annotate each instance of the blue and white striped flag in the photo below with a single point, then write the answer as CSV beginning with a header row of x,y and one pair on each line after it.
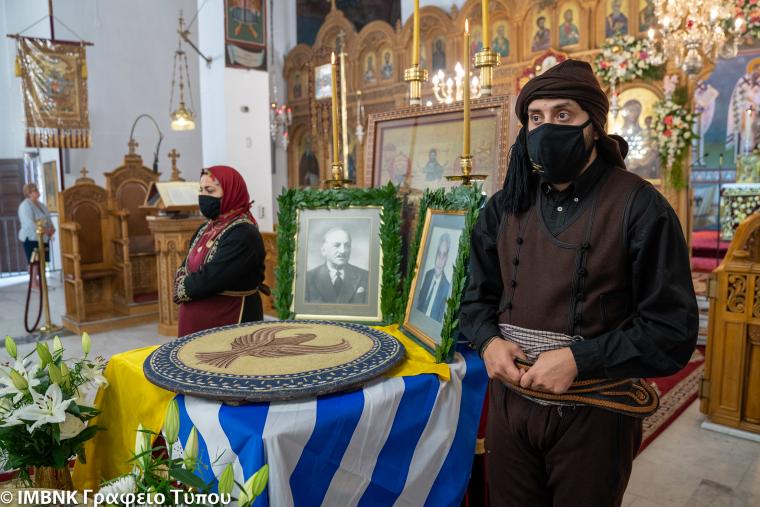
x,y
406,441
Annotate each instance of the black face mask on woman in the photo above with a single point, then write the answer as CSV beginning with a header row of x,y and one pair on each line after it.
x,y
558,152
210,206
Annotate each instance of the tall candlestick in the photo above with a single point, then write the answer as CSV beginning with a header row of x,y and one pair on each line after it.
x,y
335,120
466,58
486,38
416,34
343,113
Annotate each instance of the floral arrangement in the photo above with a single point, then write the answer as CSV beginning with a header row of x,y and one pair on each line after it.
x,y
43,418
625,58
749,12
674,125
158,478
736,204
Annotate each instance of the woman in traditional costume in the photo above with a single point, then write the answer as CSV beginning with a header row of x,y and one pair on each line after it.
x,y
219,281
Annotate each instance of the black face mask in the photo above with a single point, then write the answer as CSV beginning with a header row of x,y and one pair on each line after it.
x,y
558,152
210,206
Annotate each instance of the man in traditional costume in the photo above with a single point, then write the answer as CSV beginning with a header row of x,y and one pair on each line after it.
x,y
579,286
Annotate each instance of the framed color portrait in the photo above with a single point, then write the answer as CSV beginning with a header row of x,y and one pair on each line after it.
x,y
416,148
435,279
569,26
339,254
540,31
50,176
634,123
500,43
245,34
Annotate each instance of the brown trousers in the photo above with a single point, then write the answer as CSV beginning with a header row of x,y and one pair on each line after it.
x,y
541,455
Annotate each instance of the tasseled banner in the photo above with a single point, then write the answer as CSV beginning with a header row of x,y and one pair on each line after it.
x,y
55,138
84,70
18,66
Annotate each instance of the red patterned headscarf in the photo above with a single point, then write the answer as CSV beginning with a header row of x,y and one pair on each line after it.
x,y
235,203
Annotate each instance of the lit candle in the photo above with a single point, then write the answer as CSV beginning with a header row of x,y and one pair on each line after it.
x,y
486,38
466,57
416,35
343,113
335,119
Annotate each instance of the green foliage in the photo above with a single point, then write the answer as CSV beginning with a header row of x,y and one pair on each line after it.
x,y
468,199
293,200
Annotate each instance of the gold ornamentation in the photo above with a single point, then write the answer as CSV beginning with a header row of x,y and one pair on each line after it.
x,y
737,293
263,343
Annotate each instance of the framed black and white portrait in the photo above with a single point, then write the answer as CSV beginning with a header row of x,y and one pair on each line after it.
x,y
431,287
338,264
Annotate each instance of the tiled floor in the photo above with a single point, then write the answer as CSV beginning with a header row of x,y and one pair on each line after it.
x,y
685,466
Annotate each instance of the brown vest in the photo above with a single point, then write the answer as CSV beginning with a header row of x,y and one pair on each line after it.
x,y
578,282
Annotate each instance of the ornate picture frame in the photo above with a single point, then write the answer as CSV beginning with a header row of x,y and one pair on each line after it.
x,y
453,213
432,143
306,217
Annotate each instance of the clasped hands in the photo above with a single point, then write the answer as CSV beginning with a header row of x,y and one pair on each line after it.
x,y
553,371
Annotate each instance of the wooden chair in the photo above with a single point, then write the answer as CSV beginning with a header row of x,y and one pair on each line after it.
x,y
134,253
88,271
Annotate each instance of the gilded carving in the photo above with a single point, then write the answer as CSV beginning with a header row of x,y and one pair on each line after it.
x,y
737,293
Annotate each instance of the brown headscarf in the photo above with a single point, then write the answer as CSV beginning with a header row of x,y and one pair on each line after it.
x,y
571,79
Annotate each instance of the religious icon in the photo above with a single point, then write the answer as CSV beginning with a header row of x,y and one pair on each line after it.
x,y
439,54
369,67
338,263
433,170
542,36
568,30
297,87
647,16
387,69
743,129
634,124
705,97
476,42
323,82
500,42
616,22
432,283
308,165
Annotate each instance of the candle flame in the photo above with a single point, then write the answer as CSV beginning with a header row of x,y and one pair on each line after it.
x,y
332,57
467,26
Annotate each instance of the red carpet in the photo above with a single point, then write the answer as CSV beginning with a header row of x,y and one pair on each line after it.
x,y
676,394
707,251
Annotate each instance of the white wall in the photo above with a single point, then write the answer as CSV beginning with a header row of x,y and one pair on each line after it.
x,y
232,136
130,72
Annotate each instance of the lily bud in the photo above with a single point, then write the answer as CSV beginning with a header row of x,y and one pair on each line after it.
x,y
65,372
260,480
171,422
55,374
10,346
44,352
57,345
227,480
191,450
142,445
18,381
86,343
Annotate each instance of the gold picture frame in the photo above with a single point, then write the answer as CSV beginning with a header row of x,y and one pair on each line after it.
x,y
434,272
417,147
50,184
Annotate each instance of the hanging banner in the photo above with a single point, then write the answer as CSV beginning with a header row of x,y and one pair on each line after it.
x,y
245,34
54,85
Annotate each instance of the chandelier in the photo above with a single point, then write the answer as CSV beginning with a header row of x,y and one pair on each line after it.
x,y
182,117
280,118
448,90
693,30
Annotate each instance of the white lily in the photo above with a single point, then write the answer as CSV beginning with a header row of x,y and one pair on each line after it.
x,y
92,371
120,486
71,426
10,419
45,408
8,387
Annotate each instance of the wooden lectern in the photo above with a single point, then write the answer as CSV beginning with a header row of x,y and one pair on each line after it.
x,y
172,239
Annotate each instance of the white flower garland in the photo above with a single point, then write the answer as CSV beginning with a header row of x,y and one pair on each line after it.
x,y
674,125
625,58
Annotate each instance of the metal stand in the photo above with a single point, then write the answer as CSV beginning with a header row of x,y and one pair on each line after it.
x,y
415,76
465,163
337,180
485,60
49,327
